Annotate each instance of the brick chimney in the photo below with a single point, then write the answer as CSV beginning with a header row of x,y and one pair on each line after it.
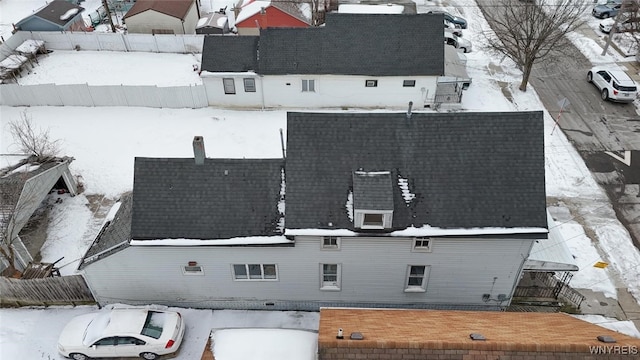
x,y
198,150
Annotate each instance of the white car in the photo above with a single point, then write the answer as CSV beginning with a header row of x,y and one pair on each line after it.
x,y
606,25
614,84
122,333
459,43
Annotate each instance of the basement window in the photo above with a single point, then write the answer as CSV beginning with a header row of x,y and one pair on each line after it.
x,y
409,83
192,270
371,83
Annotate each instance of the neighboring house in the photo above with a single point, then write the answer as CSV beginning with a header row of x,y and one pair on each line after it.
x,y
253,15
396,334
22,189
58,15
162,17
356,60
422,210
213,23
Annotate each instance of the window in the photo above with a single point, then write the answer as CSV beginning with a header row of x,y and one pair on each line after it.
x,y
409,83
229,86
422,244
249,85
372,220
330,243
107,341
128,340
192,270
153,324
371,83
255,272
330,277
308,85
416,278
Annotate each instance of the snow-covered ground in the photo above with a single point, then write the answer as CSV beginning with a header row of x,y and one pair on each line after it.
x,y
104,142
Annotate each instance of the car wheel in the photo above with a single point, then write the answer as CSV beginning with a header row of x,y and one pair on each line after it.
x,y
589,76
149,356
605,94
77,356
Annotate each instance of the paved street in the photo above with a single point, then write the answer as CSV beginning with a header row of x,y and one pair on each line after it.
x,y
607,135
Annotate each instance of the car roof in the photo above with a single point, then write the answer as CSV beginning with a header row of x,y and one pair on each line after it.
x,y
622,77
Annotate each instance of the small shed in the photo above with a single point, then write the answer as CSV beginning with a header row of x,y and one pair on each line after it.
x,y
58,15
213,23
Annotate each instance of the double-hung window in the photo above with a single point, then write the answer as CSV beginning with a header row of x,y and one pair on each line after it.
x,y
229,86
249,84
330,277
308,85
255,272
417,277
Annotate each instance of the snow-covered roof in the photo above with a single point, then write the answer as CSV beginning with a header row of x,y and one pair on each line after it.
x,y
300,10
551,254
370,9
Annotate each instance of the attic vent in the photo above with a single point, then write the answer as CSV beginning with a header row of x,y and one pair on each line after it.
x,y
356,336
606,339
476,336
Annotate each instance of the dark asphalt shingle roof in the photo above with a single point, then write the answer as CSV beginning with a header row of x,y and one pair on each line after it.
x,y
372,191
223,198
349,44
56,9
466,170
229,53
174,8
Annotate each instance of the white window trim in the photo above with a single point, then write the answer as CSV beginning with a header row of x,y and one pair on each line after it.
x,y
192,273
330,248
386,219
425,280
337,286
246,266
308,81
415,248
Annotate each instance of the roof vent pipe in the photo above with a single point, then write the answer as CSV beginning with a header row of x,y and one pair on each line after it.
x,y
409,110
198,150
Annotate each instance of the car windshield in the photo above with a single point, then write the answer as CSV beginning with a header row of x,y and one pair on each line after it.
x,y
95,328
154,324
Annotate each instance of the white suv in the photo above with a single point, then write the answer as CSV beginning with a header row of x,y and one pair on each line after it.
x,y
614,84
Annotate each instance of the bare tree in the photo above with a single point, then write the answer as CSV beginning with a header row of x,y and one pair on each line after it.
x,y
528,32
33,140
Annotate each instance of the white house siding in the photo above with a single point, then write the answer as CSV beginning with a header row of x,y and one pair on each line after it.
x,y
146,21
374,273
332,91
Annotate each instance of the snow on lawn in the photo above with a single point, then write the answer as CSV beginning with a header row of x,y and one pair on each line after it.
x,y
624,327
113,68
266,344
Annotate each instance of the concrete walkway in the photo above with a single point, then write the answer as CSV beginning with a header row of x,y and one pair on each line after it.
x,y
625,308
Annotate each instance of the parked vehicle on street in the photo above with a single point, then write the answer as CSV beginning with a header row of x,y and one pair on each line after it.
x,y
452,28
623,25
459,43
614,84
122,333
608,10
456,20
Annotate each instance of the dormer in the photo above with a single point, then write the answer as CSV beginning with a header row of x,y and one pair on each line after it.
x,y
372,200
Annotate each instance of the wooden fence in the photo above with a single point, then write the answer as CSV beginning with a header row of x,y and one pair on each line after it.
x,y
65,290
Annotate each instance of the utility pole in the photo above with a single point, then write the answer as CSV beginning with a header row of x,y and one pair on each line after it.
x,y
626,7
106,8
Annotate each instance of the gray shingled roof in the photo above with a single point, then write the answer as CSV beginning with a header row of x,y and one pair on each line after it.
x,y
372,191
224,198
465,169
222,53
56,9
349,44
113,233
